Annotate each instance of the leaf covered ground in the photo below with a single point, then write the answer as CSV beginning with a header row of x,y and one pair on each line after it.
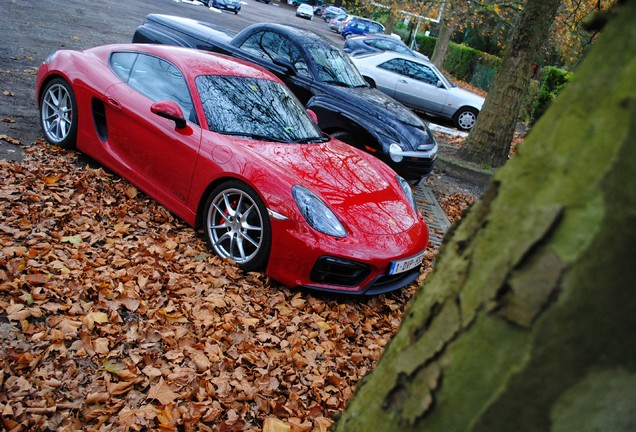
x,y
115,316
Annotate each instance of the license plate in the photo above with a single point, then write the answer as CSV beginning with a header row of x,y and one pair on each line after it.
x,y
406,264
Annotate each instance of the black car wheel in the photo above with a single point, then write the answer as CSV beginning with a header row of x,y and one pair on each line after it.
x,y
237,226
58,113
465,118
347,137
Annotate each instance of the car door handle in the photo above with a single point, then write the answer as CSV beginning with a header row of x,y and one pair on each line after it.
x,y
403,81
114,104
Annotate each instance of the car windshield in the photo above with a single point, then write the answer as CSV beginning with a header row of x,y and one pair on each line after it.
x,y
334,67
255,108
445,80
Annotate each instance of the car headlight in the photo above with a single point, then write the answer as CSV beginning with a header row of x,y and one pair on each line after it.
x,y
395,151
316,212
407,191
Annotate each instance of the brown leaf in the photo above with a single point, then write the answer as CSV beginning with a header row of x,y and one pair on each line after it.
x,y
272,424
162,393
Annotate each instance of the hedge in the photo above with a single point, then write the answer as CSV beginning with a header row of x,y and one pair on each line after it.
x,y
552,81
464,63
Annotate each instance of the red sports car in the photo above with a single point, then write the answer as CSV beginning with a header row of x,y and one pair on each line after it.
x,y
228,148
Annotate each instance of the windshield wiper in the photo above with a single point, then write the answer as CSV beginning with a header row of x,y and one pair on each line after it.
x,y
338,83
255,136
312,140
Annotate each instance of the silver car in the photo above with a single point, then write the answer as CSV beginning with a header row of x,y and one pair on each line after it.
x,y
419,85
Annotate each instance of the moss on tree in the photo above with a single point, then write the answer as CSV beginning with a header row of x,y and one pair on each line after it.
x,y
527,322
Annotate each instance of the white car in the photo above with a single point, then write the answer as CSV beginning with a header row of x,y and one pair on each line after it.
x,y
419,85
305,11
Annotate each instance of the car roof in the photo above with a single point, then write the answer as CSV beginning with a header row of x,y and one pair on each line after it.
x,y
382,55
300,35
192,61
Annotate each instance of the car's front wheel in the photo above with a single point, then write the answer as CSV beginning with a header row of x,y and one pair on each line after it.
x,y
58,113
465,118
237,226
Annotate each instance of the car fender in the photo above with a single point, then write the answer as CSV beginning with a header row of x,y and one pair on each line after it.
x,y
334,115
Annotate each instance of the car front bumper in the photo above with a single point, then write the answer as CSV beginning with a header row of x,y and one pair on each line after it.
x,y
359,265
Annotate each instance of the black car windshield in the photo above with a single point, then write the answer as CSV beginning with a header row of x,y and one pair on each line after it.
x,y
255,108
334,67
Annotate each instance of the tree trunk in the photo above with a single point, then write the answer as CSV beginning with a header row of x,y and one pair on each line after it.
x,y
446,27
390,21
528,320
489,141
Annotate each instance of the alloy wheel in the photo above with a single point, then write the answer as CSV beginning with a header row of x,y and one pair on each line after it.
x,y
235,226
57,113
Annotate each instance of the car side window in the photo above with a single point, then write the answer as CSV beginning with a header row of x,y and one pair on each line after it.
x,y
384,45
421,73
402,49
395,65
158,80
269,45
374,28
121,64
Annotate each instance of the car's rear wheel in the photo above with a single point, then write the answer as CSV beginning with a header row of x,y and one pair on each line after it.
x,y
346,137
237,226
465,118
58,113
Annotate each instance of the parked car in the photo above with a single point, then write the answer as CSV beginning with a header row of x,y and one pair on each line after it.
x,y
420,85
323,78
296,2
378,42
225,146
336,23
230,5
319,10
305,11
360,26
331,12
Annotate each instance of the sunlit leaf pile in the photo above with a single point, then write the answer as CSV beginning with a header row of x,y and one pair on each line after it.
x,y
114,315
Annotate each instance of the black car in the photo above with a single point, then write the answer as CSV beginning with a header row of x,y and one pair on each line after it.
x,y
377,42
323,78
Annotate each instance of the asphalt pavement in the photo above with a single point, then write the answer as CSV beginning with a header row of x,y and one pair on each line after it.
x,y
31,30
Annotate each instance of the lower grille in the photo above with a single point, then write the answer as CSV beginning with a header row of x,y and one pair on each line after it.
x,y
338,271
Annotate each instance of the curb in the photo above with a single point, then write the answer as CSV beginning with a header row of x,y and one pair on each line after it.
x,y
474,175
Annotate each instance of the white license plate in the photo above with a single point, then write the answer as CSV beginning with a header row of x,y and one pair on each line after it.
x,y
406,264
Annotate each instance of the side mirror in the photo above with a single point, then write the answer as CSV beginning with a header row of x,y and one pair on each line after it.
x,y
286,64
170,110
313,115
440,84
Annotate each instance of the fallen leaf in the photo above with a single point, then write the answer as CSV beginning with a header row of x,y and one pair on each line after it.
x,y
162,393
272,424
72,239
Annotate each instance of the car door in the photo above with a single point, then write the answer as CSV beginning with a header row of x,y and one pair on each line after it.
x,y
268,45
417,86
157,155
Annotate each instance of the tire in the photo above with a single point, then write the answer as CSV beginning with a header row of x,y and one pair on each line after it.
x,y
465,118
347,137
369,81
236,225
58,113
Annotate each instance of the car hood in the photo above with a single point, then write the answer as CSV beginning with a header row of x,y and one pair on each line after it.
x,y
465,97
385,112
359,189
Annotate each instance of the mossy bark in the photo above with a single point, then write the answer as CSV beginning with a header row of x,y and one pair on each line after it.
x,y
528,321
490,139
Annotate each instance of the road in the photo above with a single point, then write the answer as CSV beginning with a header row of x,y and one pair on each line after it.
x,y
31,30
